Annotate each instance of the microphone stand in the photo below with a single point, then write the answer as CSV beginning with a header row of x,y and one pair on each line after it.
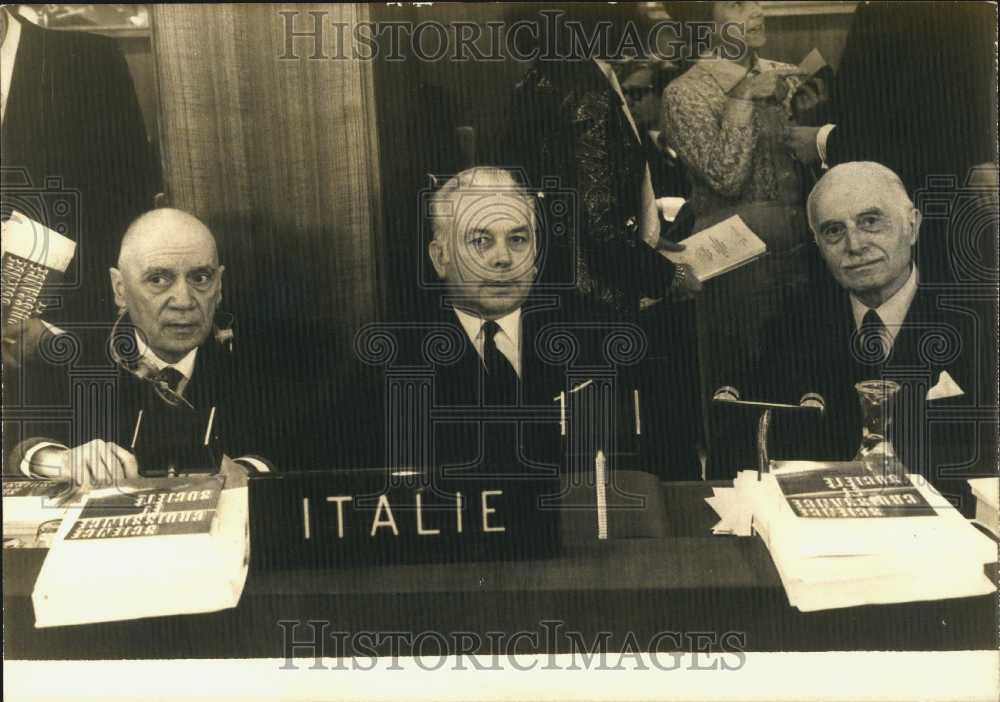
x,y
810,402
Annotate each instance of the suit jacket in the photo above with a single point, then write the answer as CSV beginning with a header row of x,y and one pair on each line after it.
x,y
437,413
73,392
944,335
75,156
569,131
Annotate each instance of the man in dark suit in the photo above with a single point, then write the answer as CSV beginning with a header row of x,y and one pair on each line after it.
x,y
75,154
497,352
157,392
876,320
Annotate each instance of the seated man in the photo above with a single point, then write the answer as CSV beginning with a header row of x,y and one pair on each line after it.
x,y
497,351
878,322
157,392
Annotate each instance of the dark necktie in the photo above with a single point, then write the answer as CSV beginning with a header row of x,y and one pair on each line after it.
x,y
872,338
501,378
169,377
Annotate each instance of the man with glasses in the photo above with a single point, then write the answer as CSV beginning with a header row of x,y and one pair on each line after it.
x,y
876,321
158,393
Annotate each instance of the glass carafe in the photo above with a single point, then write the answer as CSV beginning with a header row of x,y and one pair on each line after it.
x,y
876,450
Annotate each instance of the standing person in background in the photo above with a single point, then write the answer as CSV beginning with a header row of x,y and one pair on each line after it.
x,y
75,157
572,126
729,121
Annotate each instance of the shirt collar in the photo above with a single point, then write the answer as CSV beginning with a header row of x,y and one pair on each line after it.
x,y
8,53
185,366
509,324
893,311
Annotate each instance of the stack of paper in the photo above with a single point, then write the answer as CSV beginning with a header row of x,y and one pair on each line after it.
x,y
147,548
841,537
33,510
987,494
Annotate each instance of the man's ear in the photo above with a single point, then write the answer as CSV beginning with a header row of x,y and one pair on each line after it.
x,y
219,272
915,219
439,257
118,287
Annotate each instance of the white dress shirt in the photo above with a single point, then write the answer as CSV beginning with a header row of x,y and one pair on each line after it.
x,y
508,337
185,366
8,53
892,312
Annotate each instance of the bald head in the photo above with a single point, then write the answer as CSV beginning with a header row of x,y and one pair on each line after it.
x,y
857,176
865,227
169,281
165,227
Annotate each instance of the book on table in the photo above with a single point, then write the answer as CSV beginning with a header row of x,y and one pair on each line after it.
x,y
842,536
146,548
33,511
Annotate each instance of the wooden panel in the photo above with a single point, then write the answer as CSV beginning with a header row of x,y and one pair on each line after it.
x,y
278,156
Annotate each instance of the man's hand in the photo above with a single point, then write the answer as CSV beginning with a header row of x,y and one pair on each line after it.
x,y
810,98
665,244
802,142
94,464
20,341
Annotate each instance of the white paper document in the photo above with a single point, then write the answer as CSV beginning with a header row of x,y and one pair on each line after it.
x,y
719,249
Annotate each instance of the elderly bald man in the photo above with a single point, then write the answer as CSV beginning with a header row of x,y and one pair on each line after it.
x,y
164,382
875,320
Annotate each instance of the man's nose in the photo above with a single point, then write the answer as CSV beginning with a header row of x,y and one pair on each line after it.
x,y
854,240
180,296
501,256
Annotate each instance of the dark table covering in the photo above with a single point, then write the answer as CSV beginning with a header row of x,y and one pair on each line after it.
x,y
695,590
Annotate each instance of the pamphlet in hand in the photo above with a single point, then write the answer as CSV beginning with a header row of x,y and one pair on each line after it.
x,y
31,253
719,249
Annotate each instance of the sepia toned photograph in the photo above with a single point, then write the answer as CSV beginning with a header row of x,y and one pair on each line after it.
x,y
500,351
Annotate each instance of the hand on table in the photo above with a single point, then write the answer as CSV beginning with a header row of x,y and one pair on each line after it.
x,y
95,464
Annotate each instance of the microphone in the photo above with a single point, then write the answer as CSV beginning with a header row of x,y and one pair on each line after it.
x,y
810,402
731,396
31,251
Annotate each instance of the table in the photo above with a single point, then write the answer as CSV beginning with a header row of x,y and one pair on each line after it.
x,y
688,590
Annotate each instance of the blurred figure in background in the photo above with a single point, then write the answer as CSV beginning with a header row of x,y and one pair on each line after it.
x,y
573,129
75,155
730,121
572,126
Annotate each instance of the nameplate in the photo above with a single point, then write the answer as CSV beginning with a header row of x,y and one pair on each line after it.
x,y
371,517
